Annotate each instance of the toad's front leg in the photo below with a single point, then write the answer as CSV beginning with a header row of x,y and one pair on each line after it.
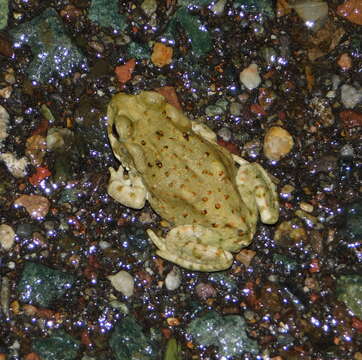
x,y
193,247
129,191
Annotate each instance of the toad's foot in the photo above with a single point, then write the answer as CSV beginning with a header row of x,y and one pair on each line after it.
x,y
257,190
193,247
128,191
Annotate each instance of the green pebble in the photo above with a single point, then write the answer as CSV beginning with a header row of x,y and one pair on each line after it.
x,y
226,332
41,285
106,14
129,342
59,346
349,291
53,51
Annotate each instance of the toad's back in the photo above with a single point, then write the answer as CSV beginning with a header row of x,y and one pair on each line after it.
x,y
189,179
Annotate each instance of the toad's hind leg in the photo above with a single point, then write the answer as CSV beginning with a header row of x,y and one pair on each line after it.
x,y
193,247
257,191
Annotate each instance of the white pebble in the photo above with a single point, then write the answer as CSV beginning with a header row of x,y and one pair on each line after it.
x,y
7,237
56,138
224,133
173,279
350,96
104,244
4,121
347,150
250,77
17,167
277,143
312,12
122,282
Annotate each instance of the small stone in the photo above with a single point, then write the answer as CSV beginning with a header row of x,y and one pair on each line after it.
x,y
173,279
17,167
7,237
312,12
124,72
322,110
4,121
235,108
351,119
219,7
250,77
306,207
245,256
58,137
161,55
5,291
205,291
290,234
36,149
351,10
6,92
345,62
37,206
277,143
350,96
347,151
122,282
224,133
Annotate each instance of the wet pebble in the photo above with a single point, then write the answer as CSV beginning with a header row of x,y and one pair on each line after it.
x,y
313,13
17,167
277,143
245,256
224,133
35,149
350,118
290,233
347,150
5,295
7,237
350,96
205,290
235,108
24,230
161,55
345,62
122,282
323,111
4,120
250,77
173,279
58,137
351,10
37,206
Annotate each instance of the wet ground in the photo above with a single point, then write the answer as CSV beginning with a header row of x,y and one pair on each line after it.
x,y
294,293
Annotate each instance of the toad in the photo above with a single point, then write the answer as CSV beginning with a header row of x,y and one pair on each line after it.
x,y
211,198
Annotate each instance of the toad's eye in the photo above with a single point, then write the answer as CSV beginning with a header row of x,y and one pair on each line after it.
x,y
122,128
